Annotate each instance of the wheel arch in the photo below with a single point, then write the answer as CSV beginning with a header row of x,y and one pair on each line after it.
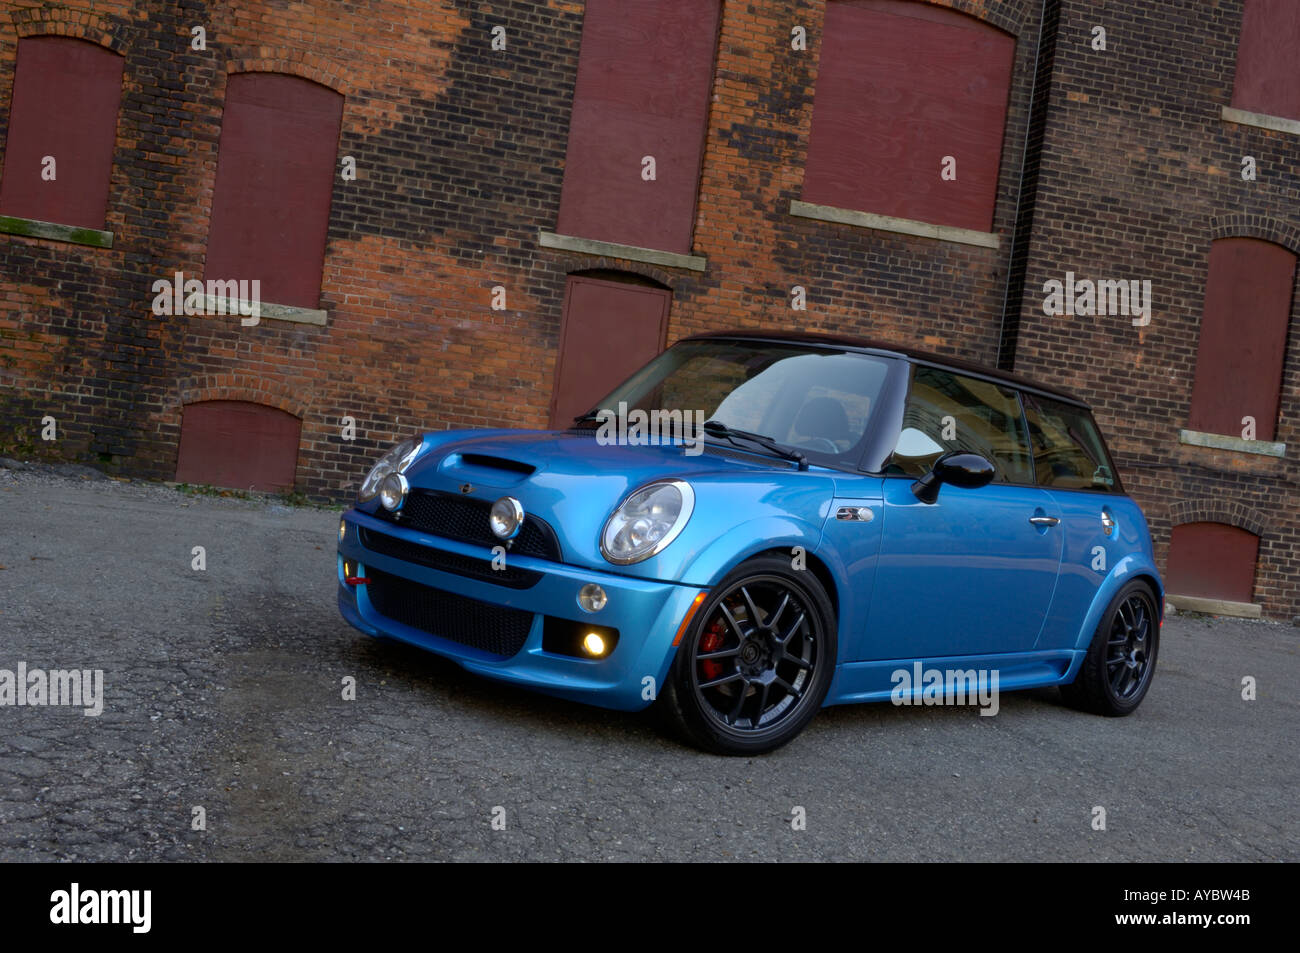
x,y
1128,570
820,570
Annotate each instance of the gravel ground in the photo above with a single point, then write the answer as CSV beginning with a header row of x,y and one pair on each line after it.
x,y
222,691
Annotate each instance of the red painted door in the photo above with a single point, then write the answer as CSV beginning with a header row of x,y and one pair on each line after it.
x,y
905,92
1265,75
237,444
275,174
65,104
610,329
644,74
1243,337
1213,561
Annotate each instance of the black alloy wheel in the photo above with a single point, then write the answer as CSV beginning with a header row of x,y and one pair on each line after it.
x,y
1121,659
756,662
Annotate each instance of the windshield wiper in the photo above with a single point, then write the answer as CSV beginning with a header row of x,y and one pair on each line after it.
x,y
591,416
716,428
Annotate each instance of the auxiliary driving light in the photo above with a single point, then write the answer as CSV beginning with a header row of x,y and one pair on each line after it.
x,y
578,640
392,492
592,598
506,517
352,573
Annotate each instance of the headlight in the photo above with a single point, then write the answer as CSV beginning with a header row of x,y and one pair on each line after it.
x,y
394,461
647,521
506,517
392,492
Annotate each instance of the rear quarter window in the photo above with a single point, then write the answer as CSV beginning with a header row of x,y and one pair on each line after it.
x,y
1068,450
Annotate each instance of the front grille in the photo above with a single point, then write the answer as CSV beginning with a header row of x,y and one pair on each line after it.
x,y
480,625
466,519
385,545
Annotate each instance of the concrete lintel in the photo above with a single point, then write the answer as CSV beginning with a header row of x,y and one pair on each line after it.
x,y
33,228
887,223
651,256
1239,610
1261,120
1218,441
214,305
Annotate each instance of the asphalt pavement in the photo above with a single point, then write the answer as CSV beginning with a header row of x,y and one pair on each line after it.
x,y
223,691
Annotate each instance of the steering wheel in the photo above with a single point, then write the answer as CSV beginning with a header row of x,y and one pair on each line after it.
x,y
820,444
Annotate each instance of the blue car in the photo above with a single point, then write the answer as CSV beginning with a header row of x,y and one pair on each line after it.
x,y
756,525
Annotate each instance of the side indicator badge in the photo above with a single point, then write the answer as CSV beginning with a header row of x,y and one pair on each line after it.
x,y
1107,522
855,514
690,614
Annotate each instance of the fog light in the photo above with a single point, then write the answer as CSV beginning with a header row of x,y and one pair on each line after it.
x,y
392,492
592,597
343,529
506,516
352,573
578,640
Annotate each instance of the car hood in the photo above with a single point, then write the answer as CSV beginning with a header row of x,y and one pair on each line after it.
x,y
573,483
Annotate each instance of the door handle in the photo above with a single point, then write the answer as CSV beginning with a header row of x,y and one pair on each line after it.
x,y
1044,520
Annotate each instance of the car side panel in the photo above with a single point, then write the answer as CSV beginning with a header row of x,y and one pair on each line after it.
x,y
966,575
1090,559
707,567
851,551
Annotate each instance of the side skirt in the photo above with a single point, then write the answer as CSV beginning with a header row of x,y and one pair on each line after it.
x,y
877,681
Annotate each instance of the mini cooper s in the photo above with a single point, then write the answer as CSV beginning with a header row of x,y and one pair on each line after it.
x,y
756,525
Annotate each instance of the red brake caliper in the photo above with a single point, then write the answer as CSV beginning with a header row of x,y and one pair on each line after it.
x,y
711,641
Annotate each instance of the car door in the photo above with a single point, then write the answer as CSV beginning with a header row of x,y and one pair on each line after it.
x,y
1072,464
975,572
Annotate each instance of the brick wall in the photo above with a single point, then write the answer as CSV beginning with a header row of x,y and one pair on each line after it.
x,y
460,151
1138,174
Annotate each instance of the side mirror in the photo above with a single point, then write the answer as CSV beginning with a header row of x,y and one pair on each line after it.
x,y
967,470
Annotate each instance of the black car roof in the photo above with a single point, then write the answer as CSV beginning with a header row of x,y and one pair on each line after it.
x,y
850,342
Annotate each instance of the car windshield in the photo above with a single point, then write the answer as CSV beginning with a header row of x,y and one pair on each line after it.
x,y
816,400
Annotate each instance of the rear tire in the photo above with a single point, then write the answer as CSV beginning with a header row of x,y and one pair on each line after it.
x,y
1121,659
756,662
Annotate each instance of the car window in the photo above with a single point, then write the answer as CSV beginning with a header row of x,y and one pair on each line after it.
x,y
710,381
946,412
1068,450
813,398
829,419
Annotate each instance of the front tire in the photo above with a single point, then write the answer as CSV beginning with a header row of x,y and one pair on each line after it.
x,y
755,664
1121,659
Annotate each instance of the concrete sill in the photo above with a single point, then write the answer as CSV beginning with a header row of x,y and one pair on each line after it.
x,y
651,256
223,307
1261,120
1218,441
1238,610
33,228
887,223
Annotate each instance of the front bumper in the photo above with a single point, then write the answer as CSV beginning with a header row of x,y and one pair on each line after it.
x,y
646,613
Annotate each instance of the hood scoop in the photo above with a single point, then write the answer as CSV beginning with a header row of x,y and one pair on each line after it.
x,y
486,469
515,467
